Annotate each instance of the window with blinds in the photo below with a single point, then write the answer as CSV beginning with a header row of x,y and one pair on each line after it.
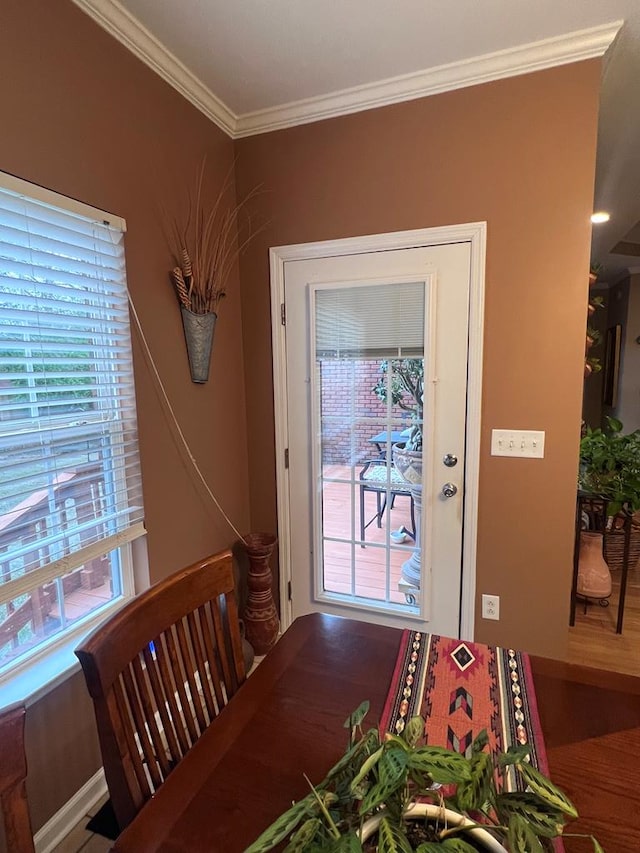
x,y
70,492
370,320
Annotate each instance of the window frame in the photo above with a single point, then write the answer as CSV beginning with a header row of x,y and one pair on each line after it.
x,y
40,668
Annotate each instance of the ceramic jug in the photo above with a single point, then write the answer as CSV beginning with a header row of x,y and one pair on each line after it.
x,y
594,577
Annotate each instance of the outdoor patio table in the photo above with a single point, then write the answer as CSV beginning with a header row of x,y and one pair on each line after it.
x,y
380,439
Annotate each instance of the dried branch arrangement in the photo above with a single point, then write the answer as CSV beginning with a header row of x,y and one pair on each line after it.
x,y
207,245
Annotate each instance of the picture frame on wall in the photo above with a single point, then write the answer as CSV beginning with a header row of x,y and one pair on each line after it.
x,y
611,366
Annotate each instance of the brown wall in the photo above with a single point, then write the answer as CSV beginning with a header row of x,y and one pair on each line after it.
x,y
518,153
82,116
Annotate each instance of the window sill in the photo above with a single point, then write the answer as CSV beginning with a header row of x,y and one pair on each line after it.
x,y
34,679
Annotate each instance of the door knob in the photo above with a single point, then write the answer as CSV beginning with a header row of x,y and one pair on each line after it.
x,y
449,490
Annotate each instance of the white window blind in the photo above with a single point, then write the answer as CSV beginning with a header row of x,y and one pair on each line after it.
x,y
370,320
69,468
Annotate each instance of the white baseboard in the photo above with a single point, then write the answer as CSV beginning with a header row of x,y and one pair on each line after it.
x,y
71,813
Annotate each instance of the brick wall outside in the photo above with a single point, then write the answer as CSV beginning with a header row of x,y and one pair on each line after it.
x,y
351,412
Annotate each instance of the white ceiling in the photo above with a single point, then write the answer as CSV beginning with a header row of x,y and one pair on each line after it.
x,y
249,63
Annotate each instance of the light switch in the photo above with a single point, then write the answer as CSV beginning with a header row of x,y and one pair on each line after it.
x,y
526,443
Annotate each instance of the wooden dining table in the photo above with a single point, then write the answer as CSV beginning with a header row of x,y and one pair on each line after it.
x,y
287,720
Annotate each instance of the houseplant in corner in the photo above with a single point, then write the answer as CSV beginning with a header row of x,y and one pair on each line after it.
x,y
610,468
369,800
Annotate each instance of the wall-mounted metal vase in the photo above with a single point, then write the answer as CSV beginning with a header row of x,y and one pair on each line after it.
x,y
198,333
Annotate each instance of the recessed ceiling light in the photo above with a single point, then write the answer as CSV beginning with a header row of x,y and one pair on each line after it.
x,y
600,216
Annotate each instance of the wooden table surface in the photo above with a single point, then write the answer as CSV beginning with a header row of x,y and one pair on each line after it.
x,y
287,720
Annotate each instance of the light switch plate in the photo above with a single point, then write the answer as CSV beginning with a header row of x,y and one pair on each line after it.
x,y
526,443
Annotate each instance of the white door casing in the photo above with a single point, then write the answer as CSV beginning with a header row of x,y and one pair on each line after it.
x,y
352,268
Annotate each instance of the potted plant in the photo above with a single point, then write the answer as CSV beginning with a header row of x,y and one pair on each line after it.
x,y
406,386
594,303
369,800
594,336
610,466
610,469
594,271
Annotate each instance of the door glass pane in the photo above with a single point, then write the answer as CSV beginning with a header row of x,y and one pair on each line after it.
x,y
368,397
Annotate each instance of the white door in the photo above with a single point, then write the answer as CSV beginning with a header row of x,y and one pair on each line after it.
x,y
361,331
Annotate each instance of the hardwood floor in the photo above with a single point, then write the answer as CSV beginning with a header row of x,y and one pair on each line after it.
x,y
593,640
346,560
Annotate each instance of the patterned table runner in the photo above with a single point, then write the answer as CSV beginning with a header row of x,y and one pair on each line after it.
x,y
460,688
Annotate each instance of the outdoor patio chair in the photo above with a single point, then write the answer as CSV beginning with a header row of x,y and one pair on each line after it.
x,y
13,774
159,672
375,476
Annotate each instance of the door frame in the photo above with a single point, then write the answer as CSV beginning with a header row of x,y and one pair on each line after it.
x,y
474,233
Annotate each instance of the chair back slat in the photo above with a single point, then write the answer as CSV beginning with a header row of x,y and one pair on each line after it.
x,y
189,665
217,678
179,679
197,630
159,672
13,773
138,721
152,665
236,659
170,691
141,678
220,641
122,740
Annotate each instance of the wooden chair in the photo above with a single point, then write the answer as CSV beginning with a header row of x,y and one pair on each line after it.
x,y
159,672
13,773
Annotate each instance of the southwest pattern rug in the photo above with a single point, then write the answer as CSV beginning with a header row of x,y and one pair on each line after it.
x,y
460,688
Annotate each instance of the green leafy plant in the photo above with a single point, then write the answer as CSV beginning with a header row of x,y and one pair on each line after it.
x,y
404,379
610,466
383,777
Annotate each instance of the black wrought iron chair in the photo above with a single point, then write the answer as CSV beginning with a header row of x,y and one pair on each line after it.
x,y
381,476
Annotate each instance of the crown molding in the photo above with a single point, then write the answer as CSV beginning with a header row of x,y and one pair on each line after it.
x,y
536,56
128,30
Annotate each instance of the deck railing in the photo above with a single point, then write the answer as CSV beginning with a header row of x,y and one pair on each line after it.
x,y
26,531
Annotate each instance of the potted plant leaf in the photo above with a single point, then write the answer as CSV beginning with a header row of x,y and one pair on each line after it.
x,y
396,794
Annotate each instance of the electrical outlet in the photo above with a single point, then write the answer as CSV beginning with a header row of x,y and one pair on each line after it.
x,y
491,607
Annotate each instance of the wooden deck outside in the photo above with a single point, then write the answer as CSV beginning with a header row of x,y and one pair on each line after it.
x,y
79,602
341,521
